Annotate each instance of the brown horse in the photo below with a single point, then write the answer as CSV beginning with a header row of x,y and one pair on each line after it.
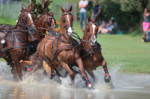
x,y
45,22
91,50
14,42
60,50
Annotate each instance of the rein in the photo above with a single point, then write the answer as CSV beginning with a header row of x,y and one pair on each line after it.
x,y
23,43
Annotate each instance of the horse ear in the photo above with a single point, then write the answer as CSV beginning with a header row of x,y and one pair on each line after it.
x,y
30,8
22,8
89,18
70,9
53,13
62,10
96,19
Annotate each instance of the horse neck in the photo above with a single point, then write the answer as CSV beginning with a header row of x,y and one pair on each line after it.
x,y
63,31
20,24
39,24
86,44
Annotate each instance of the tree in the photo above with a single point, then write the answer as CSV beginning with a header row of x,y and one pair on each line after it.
x,y
144,3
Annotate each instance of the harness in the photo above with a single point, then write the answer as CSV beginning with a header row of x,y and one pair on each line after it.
x,y
23,44
66,46
93,50
63,21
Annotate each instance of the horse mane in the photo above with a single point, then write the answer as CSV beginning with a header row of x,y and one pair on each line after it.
x,y
43,15
19,18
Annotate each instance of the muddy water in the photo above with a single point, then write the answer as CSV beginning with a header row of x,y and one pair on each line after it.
x,y
123,86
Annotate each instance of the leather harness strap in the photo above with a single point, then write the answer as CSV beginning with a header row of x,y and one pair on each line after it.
x,y
14,47
64,47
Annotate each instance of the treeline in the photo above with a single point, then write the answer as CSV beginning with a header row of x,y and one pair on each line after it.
x,y
128,13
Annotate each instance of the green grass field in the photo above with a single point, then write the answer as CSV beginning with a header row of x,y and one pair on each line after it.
x,y
125,51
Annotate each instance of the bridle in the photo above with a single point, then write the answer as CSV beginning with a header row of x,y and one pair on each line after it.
x,y
47,23
87,32
25,18
63,21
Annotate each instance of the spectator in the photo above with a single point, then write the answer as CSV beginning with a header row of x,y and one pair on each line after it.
x,y
111,27
83,12
146,23
96,12
148,34
102,26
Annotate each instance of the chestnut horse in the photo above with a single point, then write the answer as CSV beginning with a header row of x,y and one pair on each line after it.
x,y
45,22
91,50
14,42
61,50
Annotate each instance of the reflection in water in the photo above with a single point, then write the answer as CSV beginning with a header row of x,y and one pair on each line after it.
x,y
123,86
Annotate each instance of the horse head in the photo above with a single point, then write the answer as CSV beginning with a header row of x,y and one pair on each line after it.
x,y
27,20
50,22
67,20
91,30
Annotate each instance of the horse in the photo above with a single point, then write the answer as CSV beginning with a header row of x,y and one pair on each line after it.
x,y
91,51
45,22
14,42
61,49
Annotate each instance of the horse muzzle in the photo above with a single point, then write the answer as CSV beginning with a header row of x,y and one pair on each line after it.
x,y
70,31
93,41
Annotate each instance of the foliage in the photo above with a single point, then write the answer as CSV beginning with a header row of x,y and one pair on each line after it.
x,y
37,8
131,6
127,14
89,8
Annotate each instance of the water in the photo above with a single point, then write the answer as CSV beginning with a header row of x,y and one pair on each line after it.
x,y
37,86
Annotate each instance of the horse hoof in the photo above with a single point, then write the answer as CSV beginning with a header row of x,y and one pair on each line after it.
x,y
27,68
45,73
93,89
13,70
61,77
107,78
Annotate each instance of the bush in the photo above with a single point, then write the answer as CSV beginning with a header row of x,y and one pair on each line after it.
x,y
126,19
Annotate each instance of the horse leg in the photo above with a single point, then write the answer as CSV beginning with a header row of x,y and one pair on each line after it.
x,y
37,65
18,67
107,77
84,75
66,67
92,74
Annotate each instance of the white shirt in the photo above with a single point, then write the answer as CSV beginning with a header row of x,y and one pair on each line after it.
x,y
83,3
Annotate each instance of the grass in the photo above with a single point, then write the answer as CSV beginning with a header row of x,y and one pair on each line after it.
x,y
125,51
